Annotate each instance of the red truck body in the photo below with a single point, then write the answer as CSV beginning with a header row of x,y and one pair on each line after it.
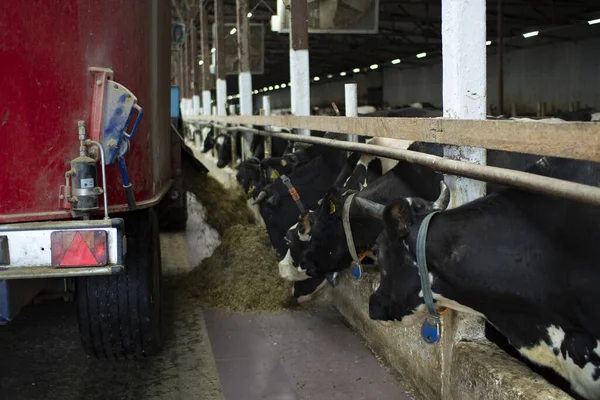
x,y
47,48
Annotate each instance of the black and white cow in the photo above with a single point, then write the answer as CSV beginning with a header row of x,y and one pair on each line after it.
x,y
223,146
277,207
359,171
328,251
526,262
366,171
254,175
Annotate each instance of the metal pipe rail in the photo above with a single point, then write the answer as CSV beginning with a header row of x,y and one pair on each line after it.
x,y
522,180
577,140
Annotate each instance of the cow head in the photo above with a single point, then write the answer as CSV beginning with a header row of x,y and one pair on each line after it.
x,y
327,246
297,239
249,176
223,145
208,143
398,294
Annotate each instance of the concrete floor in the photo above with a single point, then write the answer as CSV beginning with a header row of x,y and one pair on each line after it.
x,y
209,354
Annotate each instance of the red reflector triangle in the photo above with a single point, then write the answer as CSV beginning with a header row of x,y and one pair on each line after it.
x,y
78,254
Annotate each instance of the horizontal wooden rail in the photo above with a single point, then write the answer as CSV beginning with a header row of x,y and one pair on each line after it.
x,y
577,140
523,180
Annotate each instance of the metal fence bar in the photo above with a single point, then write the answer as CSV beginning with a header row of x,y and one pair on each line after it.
x,y
522,180
577,140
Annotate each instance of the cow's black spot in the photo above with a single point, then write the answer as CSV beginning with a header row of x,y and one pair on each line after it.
x,y
556,351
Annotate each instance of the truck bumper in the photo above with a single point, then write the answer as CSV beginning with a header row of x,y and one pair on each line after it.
x,y
31,250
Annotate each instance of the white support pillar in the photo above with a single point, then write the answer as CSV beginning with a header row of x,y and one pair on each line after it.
x,y
266,110
266,101
206,100
245,75
221,97
351,100
196,105
299,65
464,97
220,59
464,84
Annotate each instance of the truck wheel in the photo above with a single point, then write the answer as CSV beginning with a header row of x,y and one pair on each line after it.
x,y
173,213
120,315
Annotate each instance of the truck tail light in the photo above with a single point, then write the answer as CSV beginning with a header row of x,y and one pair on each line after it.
x,y
79,248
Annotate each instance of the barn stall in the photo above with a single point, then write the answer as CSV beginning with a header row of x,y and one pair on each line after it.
x,y
480,63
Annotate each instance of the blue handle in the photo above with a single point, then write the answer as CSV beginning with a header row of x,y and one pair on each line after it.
x,y
137,122
131,203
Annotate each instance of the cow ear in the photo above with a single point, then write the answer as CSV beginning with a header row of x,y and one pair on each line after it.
x,y
398,218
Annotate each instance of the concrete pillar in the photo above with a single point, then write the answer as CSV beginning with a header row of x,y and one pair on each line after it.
x,y
299,65
245,76
266,110
464,97
194,53
207,82
220,57
351,100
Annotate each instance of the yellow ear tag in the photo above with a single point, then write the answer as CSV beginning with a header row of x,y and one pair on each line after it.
x,y
274,174
331,207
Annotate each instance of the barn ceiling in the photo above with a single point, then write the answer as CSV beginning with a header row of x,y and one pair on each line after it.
x,y
406,28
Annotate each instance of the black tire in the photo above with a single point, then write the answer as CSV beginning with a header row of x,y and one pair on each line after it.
x,y
120,315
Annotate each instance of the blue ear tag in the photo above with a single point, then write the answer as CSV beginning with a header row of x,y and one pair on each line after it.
x,y
431,331
356,270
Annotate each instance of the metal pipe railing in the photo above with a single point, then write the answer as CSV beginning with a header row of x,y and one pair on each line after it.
x,y
522,180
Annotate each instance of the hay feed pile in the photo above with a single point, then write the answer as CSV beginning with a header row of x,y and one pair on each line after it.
x,y
224,208
242,274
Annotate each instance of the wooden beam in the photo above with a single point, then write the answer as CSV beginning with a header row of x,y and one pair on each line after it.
x,y
577,140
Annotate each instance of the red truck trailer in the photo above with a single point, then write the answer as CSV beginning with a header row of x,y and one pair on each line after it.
x,y
85,155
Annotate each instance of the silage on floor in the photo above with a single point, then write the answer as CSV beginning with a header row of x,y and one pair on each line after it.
x,y
241,275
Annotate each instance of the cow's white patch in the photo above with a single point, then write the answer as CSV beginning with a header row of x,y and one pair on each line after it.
x,y
304,237
287,270
596,116
220,140
581,379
